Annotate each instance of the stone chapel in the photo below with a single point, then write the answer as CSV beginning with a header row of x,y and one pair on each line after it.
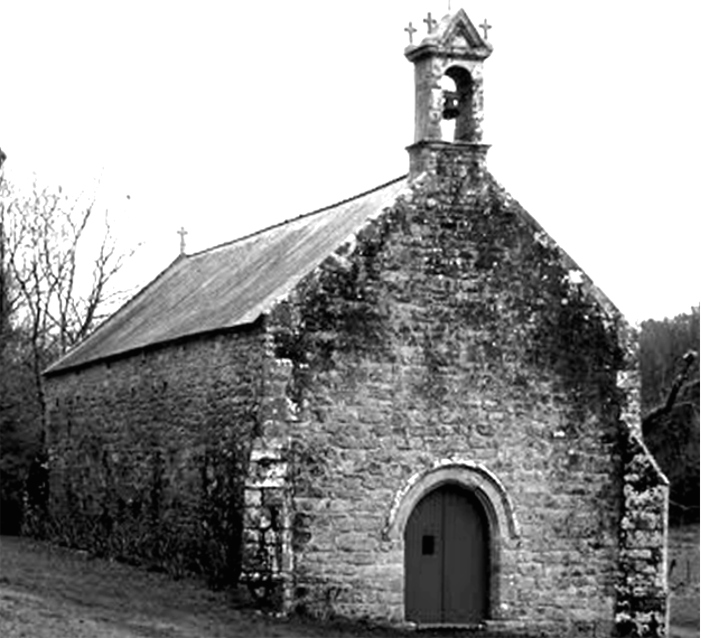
x,y
410,407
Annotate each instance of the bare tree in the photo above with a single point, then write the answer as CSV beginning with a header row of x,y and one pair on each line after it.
x,y
61,259
5,306
58,263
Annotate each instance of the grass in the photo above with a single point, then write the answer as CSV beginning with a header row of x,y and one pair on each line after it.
x,y
683,560
46,592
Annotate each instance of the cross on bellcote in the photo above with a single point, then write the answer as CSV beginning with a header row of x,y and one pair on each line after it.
x,y
485,26
431,24
411,31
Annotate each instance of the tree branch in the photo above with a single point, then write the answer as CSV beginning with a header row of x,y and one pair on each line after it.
x,y
651,420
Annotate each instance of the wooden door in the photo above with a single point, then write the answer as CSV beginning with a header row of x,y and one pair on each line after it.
x,y
446,559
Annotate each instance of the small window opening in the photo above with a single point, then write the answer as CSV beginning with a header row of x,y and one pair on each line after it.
x,y
428,545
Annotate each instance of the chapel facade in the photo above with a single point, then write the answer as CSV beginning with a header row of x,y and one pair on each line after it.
x,y
410,407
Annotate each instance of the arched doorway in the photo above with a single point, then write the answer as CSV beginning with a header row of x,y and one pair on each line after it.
x,y
446,558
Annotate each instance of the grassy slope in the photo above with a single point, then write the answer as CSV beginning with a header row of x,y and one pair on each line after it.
x,y
683,557
47,592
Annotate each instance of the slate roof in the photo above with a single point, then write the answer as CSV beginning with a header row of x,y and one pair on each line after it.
x,y
232,284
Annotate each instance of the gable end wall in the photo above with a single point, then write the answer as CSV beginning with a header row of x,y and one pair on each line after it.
x,y
449,331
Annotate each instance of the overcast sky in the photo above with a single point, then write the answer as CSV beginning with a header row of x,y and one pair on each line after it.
x,y
226,117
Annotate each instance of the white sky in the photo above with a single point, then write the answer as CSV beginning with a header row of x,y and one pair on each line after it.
x,y
226,117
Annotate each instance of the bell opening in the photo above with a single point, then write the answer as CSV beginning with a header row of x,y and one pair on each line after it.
x,y
458,104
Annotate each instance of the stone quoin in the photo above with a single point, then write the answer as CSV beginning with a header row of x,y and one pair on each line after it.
x,y
410,407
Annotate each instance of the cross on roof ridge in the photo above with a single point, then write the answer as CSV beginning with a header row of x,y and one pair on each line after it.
x,y
182,232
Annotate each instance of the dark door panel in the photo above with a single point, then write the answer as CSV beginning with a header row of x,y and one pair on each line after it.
x,y
446,559
465,568
424,560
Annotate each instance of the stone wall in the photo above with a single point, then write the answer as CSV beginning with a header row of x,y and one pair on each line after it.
x,y
268,566
267,548
642,602
451,330
148,453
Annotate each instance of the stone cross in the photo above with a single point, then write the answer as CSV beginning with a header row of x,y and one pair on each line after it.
x,y
411,31
485,26
182,232
430,22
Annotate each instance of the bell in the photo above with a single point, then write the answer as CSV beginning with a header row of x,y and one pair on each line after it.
x,y
450,105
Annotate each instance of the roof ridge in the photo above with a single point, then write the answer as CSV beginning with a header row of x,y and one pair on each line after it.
x,y
294,219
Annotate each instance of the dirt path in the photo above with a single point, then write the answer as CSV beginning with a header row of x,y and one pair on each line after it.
x,y
49,592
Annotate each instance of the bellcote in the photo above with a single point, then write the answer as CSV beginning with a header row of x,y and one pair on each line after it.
x,y
448,76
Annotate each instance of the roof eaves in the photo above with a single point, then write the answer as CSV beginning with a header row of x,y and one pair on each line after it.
x,y
157,345
64,360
